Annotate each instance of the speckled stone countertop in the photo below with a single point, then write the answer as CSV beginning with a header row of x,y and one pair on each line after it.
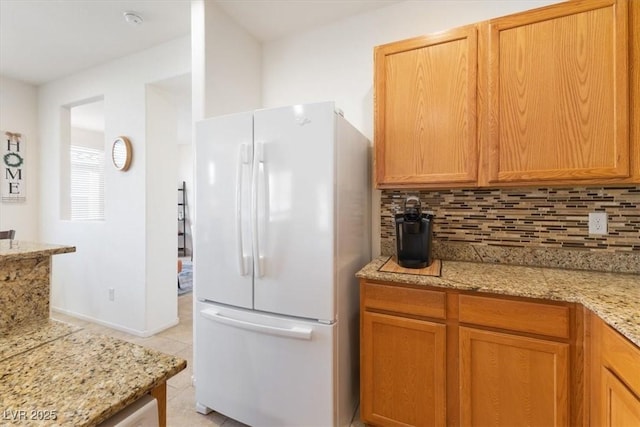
x,y
18,249
31,335
84,377
614,297
25,270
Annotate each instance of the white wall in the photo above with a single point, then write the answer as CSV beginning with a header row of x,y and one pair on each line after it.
x,y
115,253
227,66
335,62
87,138
19,113
178,91
161,171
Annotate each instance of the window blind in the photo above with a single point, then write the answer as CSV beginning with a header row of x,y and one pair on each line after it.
x,y
87,183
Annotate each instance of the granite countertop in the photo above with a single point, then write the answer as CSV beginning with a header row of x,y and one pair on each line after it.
x,y
18,249
614,297
30,335
84,377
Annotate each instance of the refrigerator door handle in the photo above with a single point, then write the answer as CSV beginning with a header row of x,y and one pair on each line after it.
x,y
293,332
243,159
257,160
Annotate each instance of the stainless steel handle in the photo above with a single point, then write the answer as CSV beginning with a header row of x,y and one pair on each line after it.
x,y
293,332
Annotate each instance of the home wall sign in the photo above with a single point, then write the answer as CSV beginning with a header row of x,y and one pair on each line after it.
x,y
13,154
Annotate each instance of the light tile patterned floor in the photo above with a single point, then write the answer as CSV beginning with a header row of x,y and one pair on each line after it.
x,y
177,341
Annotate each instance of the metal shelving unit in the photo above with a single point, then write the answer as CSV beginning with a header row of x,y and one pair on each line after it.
x,y
182,217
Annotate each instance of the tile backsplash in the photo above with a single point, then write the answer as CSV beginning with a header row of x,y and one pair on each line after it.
x,y
524,218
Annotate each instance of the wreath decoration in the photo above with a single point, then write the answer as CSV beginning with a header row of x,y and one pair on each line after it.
x,y
17,160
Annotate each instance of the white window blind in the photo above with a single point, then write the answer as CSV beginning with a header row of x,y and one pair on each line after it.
x,y
87,183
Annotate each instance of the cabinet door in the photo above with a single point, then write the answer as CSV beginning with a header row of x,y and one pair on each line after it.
x,y
403,371
425,110
620,407
509,380
559,94
615,377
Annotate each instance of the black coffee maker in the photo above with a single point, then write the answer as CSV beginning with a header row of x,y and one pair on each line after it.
x,y
413,235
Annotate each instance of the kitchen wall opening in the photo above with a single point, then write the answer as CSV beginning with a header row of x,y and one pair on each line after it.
x,y
83,161
177,90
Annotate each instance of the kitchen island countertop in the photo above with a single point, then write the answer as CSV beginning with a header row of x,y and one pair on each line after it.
x,y
25,269
56,374
19,249
74,377
614,297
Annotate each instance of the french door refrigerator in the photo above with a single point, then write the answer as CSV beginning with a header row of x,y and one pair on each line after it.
x,y
282,208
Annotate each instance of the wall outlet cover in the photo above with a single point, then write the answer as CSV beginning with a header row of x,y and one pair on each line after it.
x,y
597,223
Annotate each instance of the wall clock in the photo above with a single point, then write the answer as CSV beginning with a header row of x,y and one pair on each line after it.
x,y
121,153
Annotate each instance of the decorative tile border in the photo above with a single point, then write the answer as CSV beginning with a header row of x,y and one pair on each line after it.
x,y
532,226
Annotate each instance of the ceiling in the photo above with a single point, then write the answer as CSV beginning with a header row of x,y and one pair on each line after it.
x,y
43,40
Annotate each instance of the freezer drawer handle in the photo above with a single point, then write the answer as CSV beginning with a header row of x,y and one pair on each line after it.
x,y
295,332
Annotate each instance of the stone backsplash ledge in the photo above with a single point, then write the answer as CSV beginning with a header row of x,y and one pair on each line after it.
x,y
545,227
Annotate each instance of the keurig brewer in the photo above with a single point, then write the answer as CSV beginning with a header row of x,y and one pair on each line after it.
x,y
413,235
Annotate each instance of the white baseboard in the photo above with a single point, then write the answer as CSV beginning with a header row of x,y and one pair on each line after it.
x,y
136,332
162,328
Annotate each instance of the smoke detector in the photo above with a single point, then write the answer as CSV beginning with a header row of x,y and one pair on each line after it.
x,y
133,18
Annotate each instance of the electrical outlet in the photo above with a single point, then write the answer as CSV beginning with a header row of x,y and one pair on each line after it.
x,y
112,294
597,223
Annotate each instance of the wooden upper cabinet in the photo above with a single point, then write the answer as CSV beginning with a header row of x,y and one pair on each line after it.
x,y
425,111
558,95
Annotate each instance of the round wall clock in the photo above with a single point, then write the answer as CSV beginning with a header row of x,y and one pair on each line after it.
x,y
121,153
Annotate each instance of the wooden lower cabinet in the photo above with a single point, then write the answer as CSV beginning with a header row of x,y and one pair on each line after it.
x,y
615,378
403,371
620,406
511,380
454,358
446,358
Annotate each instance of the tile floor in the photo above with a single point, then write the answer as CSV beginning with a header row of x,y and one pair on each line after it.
x,y
177,341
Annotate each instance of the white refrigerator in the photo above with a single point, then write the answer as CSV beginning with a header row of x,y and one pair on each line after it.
x,y
282,208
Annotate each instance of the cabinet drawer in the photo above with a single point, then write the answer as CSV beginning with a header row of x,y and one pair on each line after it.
x,y
521,316
419,302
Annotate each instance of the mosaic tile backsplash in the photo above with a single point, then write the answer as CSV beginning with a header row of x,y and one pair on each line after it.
x,y
523,218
